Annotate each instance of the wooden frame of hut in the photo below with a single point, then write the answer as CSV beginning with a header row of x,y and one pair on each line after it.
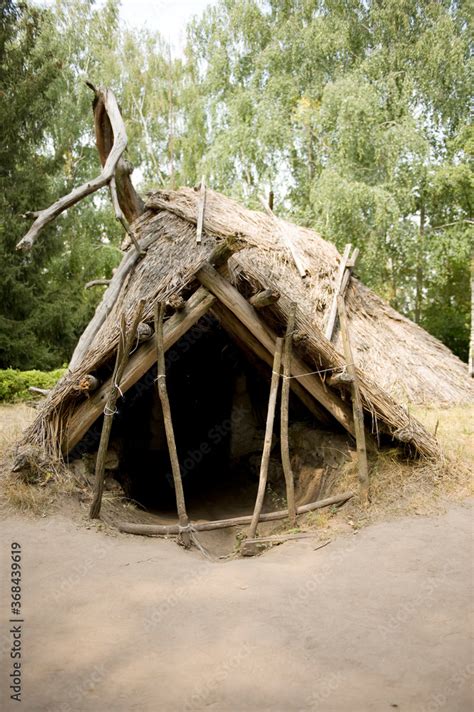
x,y
348,357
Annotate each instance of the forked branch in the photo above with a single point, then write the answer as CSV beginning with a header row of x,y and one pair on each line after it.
x,y
106,98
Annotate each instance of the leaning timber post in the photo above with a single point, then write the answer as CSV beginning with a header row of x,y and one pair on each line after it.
x,y
356,403
123,350
184,533
267,445
285,402
239,306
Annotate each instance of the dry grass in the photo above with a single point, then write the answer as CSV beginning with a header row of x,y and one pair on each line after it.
x,y
14,419
15,494
406,488
398,487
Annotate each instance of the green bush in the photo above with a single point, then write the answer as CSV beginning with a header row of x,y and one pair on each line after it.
x,y
14,384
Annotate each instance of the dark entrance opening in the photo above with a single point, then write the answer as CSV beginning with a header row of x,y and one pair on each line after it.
x,y
218,401
218,393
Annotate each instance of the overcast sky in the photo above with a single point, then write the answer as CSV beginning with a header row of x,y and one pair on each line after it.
x,y
169,17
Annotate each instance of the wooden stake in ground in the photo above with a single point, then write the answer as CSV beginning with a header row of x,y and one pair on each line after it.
x,y
357,408
123,349
285,403
185,536
267,445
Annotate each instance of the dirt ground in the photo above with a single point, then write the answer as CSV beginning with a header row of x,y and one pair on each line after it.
x,y
377,620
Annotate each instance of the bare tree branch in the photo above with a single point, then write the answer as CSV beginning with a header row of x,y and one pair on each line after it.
x,y
44,217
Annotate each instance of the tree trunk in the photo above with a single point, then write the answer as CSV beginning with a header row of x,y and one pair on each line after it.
x,y
419,265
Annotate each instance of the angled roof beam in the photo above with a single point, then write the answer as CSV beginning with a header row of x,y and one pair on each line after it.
x,y
247,341
233,300
176,326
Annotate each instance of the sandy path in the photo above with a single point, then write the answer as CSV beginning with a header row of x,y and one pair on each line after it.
x,y
375,621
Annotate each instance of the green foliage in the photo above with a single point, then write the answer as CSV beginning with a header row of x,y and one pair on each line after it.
x,y
46,147
14,384
354,113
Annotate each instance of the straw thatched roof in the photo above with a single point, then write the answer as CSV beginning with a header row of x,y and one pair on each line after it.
x,y
398,362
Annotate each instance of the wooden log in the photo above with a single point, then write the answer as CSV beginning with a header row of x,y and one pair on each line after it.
x,y
339,379
201,208
141,361
168,423
108,300
123,350
120,217
130,203
328,332
220,254
284,417
267,443
144,332
87,384
356,403
247,341
40,391
289,245
119,145
171,529
97,283
236,303
264,298
176,302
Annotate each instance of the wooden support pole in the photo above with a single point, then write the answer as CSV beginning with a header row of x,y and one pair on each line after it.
x,y
123,350
141,361
108,300
264,298
267,444
120,217
201,208
337,290
236,303
168,422
171,529
284,417
356,403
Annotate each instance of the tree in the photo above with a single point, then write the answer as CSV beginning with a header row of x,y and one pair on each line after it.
x,y
352,112
43,151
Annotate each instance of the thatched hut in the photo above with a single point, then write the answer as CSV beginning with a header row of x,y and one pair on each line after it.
x,y
220,335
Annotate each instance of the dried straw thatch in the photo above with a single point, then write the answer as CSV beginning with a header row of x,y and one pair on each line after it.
x,y
397,360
